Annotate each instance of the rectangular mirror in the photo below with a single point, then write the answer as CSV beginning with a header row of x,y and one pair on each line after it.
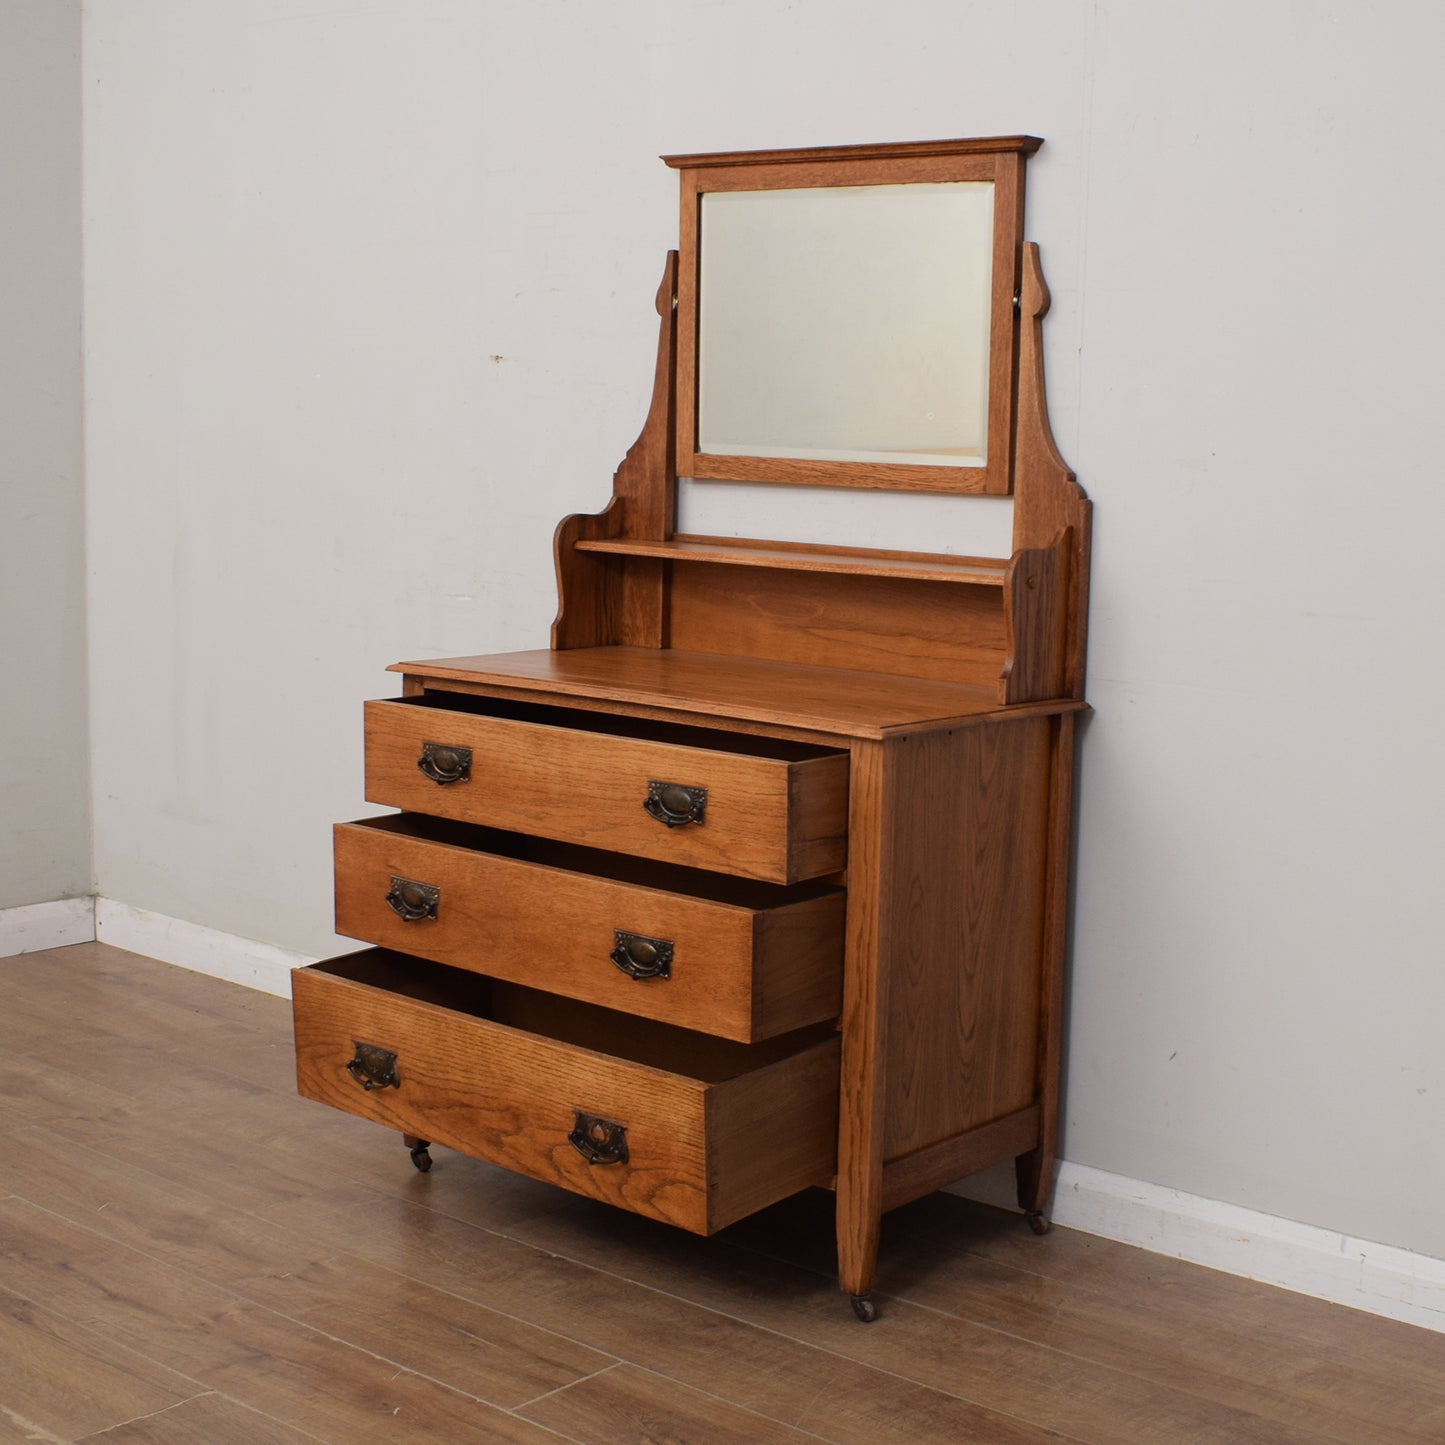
x,y
846,315
846,323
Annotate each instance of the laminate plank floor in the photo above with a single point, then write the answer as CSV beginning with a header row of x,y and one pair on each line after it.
x,y
191,1253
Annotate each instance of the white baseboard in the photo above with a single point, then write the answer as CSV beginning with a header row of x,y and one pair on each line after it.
x,y
203,950
1378,1278
38,926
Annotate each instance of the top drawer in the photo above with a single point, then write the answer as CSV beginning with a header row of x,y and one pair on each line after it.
x,y
752,806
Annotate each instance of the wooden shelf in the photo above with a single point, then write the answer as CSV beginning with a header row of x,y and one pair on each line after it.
x,y
860,562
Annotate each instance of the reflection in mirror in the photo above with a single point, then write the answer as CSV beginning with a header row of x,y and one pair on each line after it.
x,y
846,323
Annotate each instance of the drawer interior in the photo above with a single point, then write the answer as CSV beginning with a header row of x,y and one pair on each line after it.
x,y
618,867
615,725
581,1025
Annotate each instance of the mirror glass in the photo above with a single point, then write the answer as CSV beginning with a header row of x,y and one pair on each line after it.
x,y
846,323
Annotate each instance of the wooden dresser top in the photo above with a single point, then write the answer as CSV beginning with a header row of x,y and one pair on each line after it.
x,y
786,695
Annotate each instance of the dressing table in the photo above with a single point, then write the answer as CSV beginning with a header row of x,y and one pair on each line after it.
x,y
756,878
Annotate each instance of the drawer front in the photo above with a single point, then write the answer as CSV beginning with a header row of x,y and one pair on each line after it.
x,y
739,972
764,817
697,1154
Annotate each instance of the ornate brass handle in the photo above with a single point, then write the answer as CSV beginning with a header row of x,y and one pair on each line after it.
x,y
641,957
373,1067
675,803
445,764
412,901
597,1140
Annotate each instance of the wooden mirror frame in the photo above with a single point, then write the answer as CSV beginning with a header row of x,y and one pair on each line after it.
x,y
999,160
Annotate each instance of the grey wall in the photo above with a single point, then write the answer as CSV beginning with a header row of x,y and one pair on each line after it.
x,y
44,753
369,307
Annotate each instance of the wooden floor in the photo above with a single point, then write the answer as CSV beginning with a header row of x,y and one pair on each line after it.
x,y
189,1253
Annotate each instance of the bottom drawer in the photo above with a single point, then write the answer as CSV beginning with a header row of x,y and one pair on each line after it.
x,y
688,1129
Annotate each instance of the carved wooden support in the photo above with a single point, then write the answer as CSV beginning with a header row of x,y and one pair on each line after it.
x,y
1035,612
1047,499
611,601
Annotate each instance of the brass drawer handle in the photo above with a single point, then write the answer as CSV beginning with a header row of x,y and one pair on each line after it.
x,y
445,764
412,901
597,1140
675,803
639,956
373,1067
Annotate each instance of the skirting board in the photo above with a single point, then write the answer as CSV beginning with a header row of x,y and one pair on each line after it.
x,y
38,926
203,950
1378,1278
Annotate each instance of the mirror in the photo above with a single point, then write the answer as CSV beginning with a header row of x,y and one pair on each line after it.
x,y
846,323
845,315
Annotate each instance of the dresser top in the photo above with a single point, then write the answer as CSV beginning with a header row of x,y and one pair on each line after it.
x,y
779,694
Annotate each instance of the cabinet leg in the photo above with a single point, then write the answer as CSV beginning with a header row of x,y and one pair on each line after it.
x,y
861,1095
420,1151
1034,1172
858,1228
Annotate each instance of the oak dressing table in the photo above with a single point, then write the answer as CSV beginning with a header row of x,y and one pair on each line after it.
x,y
756,878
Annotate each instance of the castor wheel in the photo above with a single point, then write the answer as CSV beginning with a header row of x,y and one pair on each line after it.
x,y
864,1308
420,1154
1038,1221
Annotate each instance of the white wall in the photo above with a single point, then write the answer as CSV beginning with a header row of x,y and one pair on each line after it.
x,y
369,307
44,758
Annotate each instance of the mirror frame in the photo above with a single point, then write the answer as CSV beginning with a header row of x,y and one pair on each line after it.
x,y
996,159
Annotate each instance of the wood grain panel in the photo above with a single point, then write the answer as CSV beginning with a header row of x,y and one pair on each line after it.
x,y
589,788
515,910
211,1418
946,632
625,1406
967,852
54,1370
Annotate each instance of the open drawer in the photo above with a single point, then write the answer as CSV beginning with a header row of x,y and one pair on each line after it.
x,y
737,803
727,956
691,1130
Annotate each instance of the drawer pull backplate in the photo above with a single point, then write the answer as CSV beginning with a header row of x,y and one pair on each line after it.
x,y
445,764
675,803
412,901
639,956
373,1067
597,1140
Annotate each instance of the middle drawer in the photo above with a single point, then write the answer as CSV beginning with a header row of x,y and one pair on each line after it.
x,y
723,956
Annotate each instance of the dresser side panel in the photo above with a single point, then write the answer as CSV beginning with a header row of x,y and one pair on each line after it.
x,y
966,875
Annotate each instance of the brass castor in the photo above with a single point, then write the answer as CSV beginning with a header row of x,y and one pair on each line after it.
x,y
1038,1221
864,1308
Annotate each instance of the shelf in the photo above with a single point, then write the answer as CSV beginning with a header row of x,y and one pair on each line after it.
x,y
778,556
